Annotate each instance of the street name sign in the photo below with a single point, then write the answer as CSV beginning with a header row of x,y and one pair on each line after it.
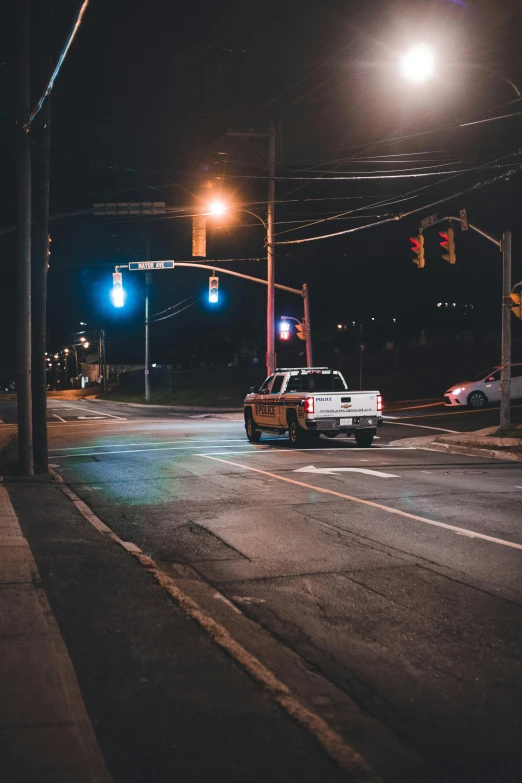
x,y
428,221
146,266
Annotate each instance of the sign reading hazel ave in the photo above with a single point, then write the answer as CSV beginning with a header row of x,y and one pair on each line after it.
x,y
145,266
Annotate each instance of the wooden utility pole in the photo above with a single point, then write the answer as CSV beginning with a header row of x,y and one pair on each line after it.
x,y
270,255
270,248
23,292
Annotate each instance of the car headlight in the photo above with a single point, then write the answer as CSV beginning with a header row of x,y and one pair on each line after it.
x,y
458,390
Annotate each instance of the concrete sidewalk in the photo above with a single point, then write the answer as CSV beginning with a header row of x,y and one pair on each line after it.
x,y
45,733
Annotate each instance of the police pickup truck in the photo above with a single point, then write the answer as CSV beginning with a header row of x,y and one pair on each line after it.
x,y
308,402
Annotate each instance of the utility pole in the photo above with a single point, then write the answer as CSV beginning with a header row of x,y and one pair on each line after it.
x,y
40,262
270,254
308,325
505,373
148,281
23,294
270,246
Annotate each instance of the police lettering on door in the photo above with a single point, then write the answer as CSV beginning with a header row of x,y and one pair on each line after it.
x,y
265,410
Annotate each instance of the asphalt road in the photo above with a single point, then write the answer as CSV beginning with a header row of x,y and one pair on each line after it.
x,y
393,572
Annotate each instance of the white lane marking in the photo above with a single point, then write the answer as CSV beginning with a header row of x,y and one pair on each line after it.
x,y
453,413
90,417
518,487
333,471
417,407
259,449
110,415
59,417
422,426
371,503
152,443
137,451
272,449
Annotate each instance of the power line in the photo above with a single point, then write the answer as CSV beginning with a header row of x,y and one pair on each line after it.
x,y
405,197
176,313
404,214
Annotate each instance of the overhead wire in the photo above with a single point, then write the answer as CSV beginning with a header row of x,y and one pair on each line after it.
x,y
411,194
164,318
400,216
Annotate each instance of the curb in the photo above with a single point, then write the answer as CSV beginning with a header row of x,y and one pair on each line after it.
x,y
427,442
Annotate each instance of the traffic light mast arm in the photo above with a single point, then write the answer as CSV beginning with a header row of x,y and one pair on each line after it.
x,y
298,291
478,230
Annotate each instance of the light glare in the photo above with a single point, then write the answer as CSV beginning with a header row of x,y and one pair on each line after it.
x,y
418,64
117,297
217,207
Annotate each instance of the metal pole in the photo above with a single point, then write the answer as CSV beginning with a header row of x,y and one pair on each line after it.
x,y
505,375
308,326
147,367
23,294
361,351
100,361
270,302
104,362
65,365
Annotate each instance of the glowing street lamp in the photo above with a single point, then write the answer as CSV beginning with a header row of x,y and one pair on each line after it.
x,y
217,207
418,63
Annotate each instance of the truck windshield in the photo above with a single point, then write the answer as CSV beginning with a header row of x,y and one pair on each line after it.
x,y
319,382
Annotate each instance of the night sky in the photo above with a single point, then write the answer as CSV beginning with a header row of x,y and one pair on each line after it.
x,y
141,111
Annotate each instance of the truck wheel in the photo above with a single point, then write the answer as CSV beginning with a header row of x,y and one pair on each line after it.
x,y
364,438
252,434
295,433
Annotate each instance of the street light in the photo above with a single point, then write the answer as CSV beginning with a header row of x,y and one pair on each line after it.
x,y
418,64
217,207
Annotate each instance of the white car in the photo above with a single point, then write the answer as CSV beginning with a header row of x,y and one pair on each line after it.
x,y
484,388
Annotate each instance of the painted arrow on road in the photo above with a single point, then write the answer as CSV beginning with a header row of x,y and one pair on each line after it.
x,y
333,471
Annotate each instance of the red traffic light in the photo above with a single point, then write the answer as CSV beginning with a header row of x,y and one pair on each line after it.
x,y
448,244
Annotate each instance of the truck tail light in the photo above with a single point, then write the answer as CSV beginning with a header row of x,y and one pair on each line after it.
x,y
309,405
380,404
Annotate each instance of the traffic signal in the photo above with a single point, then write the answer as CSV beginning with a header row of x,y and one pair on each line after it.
x,y
301,330
213,289
516,297
117,294
284,330
417,247
449,245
